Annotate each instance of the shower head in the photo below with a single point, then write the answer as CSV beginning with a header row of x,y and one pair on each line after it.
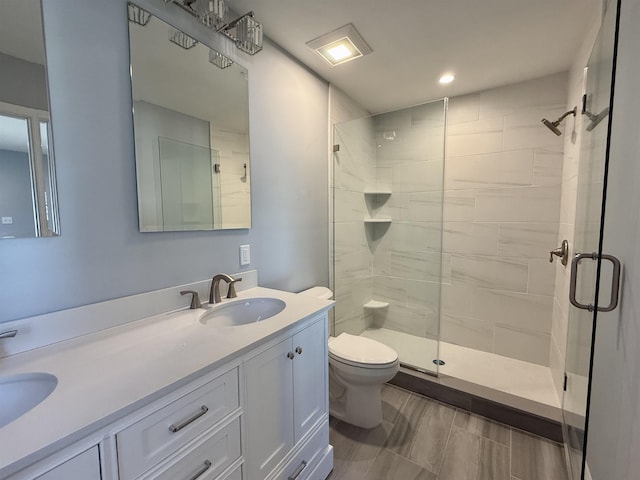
x,y
553,126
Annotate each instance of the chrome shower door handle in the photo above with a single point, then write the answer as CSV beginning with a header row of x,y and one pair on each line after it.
x,y
615,281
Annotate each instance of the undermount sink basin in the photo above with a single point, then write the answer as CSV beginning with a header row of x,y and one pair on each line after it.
x,y
20,393
243,312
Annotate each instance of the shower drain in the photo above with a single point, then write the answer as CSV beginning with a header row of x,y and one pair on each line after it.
x,y
437,361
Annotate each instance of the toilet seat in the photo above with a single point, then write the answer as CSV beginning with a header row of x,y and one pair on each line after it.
x,y
361,352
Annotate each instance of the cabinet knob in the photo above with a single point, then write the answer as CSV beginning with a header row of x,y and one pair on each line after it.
x,y
290,355
299,350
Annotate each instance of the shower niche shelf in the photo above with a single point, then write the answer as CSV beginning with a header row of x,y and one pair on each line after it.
x,y
375,305
376,220
382,192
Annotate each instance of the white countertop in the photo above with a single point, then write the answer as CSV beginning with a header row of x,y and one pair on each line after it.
x,y
106,375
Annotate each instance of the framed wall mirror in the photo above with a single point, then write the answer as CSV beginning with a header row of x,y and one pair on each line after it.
x,y
28,197
191,123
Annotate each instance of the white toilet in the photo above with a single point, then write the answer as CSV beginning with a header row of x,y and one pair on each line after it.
x,y
358,367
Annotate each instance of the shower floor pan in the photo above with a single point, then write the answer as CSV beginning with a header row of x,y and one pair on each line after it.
x,y
521,385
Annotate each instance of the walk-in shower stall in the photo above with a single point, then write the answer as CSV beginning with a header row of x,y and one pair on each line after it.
x,y
444,217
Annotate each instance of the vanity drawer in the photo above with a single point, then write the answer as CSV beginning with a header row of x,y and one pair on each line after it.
x,y
209,459
303,463
152,439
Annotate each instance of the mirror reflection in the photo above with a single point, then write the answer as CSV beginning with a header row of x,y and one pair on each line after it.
x,y
191,122
28,200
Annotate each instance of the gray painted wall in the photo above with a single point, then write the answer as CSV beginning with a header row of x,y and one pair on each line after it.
x,y
15,194
101,254
614,427
23,83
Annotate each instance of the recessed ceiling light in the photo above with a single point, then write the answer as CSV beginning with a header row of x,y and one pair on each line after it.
x,y
341,45
447,78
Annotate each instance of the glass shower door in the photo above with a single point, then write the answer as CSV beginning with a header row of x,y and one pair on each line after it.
x,y
588,297
388,190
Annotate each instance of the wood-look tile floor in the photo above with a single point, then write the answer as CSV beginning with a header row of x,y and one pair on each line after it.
x,y
422,439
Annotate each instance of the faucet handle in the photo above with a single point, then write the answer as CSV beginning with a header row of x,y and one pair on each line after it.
x,y
195,299
231,293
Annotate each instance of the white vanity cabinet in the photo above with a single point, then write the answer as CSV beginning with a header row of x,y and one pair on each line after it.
x,y
85,466
195,436
286,406
262,414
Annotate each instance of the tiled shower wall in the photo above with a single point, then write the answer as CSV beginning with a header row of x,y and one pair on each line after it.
x,y
407,252
353,171
501,214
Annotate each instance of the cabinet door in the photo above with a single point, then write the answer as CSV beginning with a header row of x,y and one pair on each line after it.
x,y
85,466
269,406
309,377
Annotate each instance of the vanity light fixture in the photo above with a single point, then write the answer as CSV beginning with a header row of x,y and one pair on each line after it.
x,y
138,15
181,39
218,59
245,30
341,45
447,78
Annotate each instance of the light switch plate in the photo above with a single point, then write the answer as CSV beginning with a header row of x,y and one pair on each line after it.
x,y
7,220
245,254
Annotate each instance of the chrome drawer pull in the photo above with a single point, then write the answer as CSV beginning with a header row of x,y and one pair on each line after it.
x,y
204,468
298,471
290,355
176,428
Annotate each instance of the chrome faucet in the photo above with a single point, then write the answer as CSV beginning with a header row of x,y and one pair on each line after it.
x,y
214,293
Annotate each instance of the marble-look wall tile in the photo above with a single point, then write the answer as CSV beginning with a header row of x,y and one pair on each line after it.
x,y
416,237
457,299
404,318
523,345
425,206
470,238
490,272
349,206
513,185
466,331
459,205
527,240
547,166
475,138
541,277
503,169
518,204
418,176
520,310
424,266
389,289
349,237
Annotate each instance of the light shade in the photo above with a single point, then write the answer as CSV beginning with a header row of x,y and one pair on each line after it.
x,y
340,45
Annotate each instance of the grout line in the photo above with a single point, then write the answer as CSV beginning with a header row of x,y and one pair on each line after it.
x,y
446,445
510,451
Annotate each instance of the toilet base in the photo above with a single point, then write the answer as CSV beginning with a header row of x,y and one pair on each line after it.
x,y
359,405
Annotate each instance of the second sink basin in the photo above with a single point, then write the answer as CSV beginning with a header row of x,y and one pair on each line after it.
x,y
20,393
243,312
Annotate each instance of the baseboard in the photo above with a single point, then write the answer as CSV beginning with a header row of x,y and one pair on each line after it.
x,y
324,466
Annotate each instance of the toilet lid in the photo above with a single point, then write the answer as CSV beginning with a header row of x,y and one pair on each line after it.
x,y
362,350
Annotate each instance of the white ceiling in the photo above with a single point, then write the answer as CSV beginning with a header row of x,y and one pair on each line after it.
x,y
487,43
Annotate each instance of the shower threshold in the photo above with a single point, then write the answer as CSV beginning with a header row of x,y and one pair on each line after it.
x,y
518,384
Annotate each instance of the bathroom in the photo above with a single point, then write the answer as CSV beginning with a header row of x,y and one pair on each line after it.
x,y
102,255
